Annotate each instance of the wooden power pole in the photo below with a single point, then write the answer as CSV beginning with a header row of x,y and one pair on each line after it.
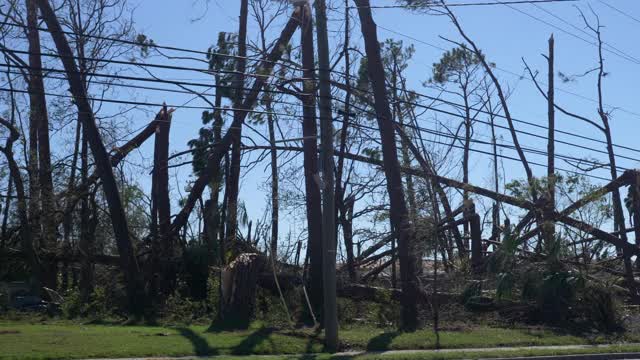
x,y
328,196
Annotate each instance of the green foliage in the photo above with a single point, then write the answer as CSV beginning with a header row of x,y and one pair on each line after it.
x,y
557,295
99,307
505,285
474,288
372,153
456,65
145,43
599,306
180,310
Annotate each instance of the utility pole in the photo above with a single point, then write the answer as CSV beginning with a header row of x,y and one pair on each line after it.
x,y
328,195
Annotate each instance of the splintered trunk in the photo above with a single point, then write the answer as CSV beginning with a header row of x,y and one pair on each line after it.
x,y
398,207
128,262
233,181
239,284
163,242
311,169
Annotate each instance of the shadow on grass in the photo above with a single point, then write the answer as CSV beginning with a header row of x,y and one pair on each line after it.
x,y
200,345
249,344
382,341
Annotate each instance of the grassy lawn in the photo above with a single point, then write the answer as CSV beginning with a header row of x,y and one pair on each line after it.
x,y
67,340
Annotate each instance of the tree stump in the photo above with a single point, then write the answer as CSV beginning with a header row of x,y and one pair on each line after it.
x,y
239,283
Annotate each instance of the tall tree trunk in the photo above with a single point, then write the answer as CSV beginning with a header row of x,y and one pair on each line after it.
x,y
495,213
467,148
550,204
36,94
329,243
345,210
233,181
128,262
275,201
311,168
164,241
398,212
39,110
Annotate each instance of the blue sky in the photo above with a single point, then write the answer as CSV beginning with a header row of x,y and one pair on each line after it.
x,y
504,34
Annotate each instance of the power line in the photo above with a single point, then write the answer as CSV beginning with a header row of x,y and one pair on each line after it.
x,y
422,129
507,71
155,79
158,80
621,54
151,65
509,146
154,45
141,103
619,11
502,156
137,78
539,152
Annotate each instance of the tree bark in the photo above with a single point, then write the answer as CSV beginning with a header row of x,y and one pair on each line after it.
x,y
329,243
233,181
36,92
38,107
550,203
275,201
164,241
311,169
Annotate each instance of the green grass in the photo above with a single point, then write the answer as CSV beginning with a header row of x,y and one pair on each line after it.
x,y
68,340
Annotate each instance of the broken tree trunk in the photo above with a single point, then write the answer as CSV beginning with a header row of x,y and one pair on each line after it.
x,y
163,242
239,284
